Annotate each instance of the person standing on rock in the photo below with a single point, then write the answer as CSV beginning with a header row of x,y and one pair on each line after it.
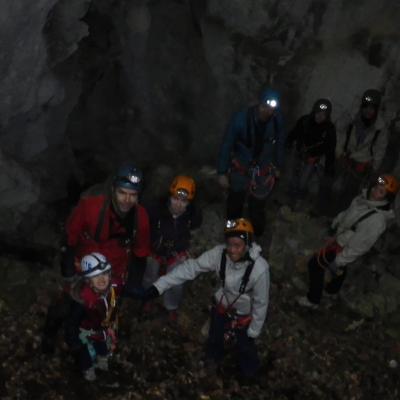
x,y
239,304
366,139
357,229
92,322
171,222
108,219
315,138
250,158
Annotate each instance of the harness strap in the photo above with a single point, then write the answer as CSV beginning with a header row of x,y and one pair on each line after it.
x,y
365,216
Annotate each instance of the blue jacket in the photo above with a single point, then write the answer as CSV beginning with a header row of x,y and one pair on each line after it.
x,y
239,141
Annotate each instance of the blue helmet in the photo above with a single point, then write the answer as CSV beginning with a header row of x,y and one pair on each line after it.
x,y
270,97
128,177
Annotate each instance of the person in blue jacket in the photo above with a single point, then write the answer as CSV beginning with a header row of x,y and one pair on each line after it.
x,y
250,158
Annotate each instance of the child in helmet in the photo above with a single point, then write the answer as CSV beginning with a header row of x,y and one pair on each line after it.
x,y
90,330
356,230
171,222
241,301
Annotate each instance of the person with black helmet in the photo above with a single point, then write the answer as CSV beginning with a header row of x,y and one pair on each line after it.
x,y
315,138
356,230
108,219
365,142
241,301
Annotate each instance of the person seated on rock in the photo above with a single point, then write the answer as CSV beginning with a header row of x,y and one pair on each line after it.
x,y
110,220
171,222
356,230
250,158
315,138
241,301
91,325
366,139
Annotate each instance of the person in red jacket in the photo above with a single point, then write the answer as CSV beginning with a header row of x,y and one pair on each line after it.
x,y
113,223
91,324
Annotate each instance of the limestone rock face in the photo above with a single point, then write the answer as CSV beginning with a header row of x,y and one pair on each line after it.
x,y
88,84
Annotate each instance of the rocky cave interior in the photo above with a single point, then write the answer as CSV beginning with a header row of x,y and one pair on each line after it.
x,y
88,84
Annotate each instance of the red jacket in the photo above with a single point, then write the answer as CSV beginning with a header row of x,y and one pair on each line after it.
x,y
97,307
81,229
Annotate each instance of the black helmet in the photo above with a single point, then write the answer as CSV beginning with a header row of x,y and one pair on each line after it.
x,y
322,105
371,97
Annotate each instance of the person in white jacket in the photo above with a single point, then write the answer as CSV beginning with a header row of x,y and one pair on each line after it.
x,y
241,301
357,229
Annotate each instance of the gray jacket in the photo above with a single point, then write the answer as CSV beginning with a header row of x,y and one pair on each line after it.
x,y
255,299
361,152
361,238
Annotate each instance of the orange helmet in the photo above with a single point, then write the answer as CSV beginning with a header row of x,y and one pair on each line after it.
x,y
240,227
390,182
183,187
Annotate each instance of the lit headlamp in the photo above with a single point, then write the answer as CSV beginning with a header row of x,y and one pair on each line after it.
x,y
323,106
230,224
182,194
133,178
272,103
381,181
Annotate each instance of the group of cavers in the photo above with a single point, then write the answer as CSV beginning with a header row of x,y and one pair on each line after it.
x,y
116,248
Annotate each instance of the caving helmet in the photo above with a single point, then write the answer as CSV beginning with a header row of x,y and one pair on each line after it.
x,y
322,105
94,264
371,97
183,187
241,228
270,98
128,177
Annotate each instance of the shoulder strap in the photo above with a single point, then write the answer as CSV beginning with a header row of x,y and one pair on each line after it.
x,y
246,277
348,134
100,221
222,268
365,216
373,141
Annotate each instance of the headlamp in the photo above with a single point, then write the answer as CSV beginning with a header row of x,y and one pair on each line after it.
x,y
368,99
182,194
323,106
381,181
272,103
230,224
133,178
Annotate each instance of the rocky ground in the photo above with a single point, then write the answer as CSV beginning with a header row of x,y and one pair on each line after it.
x,y
336,352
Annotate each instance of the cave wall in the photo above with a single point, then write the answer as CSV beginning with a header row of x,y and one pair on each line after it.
x,y
85,84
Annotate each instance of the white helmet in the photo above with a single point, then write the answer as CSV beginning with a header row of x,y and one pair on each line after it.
x,y
94,264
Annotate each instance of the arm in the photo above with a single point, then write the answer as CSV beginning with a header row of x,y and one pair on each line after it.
x,y
330,150
366,234
141,246
281,139
197,217
190,269
234,127
260,305
379,148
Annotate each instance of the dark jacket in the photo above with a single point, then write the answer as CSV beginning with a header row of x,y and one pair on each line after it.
x,y
315,140
171,235
250,141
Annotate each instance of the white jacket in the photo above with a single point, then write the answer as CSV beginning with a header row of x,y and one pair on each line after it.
x,y
255,299
357,242
362,152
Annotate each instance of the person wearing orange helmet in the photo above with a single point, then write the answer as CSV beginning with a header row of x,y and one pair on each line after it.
x,y
240,302
356,230
171,222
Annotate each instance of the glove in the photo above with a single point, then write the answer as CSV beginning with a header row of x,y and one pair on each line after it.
x,y
139,293
150,293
